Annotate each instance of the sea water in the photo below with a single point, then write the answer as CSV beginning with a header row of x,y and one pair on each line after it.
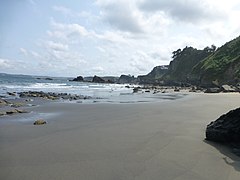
x,y
103,92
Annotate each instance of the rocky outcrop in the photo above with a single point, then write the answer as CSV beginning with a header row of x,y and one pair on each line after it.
x,y
79,79
12,111
97,79
225,129
127,79
154,76
223,66
52,95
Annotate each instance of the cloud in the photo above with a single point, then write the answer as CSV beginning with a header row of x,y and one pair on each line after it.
x,y
66,30
23,51
56,46
97,69
4,64
120,15
183,10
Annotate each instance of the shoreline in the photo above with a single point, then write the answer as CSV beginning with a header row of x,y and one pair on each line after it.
x,y
157,140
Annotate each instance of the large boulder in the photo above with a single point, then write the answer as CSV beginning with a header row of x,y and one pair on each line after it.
x,y
226,128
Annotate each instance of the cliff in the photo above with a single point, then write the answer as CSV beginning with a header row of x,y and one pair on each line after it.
x,y
222,67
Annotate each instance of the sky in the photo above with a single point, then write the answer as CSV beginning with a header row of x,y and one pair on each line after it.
x,y
106,37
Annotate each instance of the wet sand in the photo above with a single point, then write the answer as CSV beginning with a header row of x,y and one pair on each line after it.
x,y
142,141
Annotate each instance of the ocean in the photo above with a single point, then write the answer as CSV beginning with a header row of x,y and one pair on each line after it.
x,y
115,93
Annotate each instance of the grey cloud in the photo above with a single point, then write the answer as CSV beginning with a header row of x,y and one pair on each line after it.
x,y
184,10
120,16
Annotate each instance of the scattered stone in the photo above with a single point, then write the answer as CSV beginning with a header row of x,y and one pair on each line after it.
x,y
52,96
2,113
213,90
21,111
11,93
39,122
136,89
176,89
227,88
17,104
226,128
12,111
147,91
3,102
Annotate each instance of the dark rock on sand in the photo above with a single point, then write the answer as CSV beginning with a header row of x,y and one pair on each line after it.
x,y
39,122
226,128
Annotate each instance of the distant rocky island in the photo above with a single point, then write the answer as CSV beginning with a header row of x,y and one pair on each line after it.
x,y
210,67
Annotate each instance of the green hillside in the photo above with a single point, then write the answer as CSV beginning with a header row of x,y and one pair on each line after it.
x,y
222,67
183,62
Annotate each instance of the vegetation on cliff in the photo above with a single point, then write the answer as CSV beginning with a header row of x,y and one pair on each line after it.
x,y
221,67
183,61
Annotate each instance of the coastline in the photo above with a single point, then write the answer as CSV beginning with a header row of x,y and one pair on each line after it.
x,y
155,140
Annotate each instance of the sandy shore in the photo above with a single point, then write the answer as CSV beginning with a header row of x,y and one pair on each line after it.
x,y
145,141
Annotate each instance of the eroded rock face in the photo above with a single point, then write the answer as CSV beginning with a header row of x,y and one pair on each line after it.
x,y
226,128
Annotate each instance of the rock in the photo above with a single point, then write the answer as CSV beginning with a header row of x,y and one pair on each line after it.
x,y
176,89
79,79
13,111
226,128
2,113
97,79
213,90
48,79
19,104
39,122
21,111
136,89
3,102
227,88
127,79
11,93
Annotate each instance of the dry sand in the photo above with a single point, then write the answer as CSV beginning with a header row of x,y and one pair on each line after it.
x,y
162,141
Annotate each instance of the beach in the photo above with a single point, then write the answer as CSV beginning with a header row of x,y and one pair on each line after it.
x,y
112,141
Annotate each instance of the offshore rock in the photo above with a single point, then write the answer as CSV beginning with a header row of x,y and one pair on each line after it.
x,y
225,129
97,79
79,79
